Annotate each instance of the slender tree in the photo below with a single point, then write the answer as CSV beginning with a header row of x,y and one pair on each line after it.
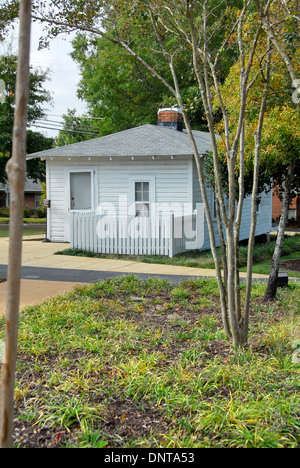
x,y
16,169
206,30
280,20
203,29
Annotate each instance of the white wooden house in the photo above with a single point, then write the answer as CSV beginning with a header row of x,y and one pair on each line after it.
x,y
135,191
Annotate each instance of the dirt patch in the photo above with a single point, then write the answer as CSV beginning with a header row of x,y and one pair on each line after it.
x,y
30,436
127,420
293,265
123,419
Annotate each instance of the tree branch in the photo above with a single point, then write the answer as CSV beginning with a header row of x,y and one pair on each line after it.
x,y
120,42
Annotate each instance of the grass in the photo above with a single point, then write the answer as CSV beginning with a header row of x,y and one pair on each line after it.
x,y
30,230
132,363
26,220
263,267
27,232
262,256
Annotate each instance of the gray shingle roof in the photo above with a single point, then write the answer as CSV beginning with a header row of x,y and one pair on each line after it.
x,y
30,186
143,141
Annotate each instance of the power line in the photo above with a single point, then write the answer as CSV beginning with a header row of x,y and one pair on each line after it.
x,y
63,130
65,124
78,117
55,125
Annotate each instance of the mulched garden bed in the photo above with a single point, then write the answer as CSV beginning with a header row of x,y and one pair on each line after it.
x,y
293,265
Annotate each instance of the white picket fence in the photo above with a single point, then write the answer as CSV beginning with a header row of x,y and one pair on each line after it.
x,y
167,235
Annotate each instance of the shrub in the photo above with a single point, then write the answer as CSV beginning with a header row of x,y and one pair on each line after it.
x,y
4,212
34,212
26,212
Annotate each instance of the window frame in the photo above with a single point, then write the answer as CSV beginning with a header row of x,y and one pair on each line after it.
x,y
37,201
144,199
132,193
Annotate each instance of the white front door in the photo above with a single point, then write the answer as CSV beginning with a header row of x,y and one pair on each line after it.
x,y
80,191
81,186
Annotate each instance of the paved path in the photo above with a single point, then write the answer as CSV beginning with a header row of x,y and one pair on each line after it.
x,y
45,274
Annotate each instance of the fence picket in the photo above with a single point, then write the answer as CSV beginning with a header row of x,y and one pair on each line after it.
x,y
140,236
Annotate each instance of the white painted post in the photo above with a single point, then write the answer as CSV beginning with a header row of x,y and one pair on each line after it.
x,y
171,245
71,231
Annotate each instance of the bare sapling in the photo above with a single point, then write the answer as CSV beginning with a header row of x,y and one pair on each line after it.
x,y
16,169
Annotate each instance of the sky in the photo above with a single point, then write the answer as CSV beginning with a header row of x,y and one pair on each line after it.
x,y
64,74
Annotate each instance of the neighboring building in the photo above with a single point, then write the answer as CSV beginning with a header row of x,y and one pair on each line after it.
x,y
32,198
294,209
132,174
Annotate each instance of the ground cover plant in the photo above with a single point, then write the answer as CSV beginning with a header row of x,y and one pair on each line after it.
x,y
132,363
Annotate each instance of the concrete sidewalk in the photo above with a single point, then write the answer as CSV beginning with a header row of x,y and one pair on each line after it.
x,y
34,292
45,274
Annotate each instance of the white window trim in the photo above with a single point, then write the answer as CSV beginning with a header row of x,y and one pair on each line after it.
x,y
37,200
138,178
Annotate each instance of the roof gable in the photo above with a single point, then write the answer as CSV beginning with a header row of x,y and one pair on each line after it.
x,y
143,141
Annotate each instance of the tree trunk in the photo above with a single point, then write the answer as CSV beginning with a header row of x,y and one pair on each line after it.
x,y
16,168
232,312
272,282
257,138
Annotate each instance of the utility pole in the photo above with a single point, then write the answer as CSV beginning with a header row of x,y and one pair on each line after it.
x,y
16,169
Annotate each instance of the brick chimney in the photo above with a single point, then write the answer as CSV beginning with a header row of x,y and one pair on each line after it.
x,y
170,117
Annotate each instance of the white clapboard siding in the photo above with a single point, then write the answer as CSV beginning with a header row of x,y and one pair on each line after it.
x,y
173,184
170,181
166,235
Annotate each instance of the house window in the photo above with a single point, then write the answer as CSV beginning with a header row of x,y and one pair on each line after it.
x,y
2,200
38,199
142,199
141,202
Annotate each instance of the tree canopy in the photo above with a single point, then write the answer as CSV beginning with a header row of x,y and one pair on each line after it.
x,y
38,97
120,91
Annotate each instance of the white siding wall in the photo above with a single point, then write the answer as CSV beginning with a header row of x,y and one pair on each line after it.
x,y
56,193
198,199
264,217
176,183
172,179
